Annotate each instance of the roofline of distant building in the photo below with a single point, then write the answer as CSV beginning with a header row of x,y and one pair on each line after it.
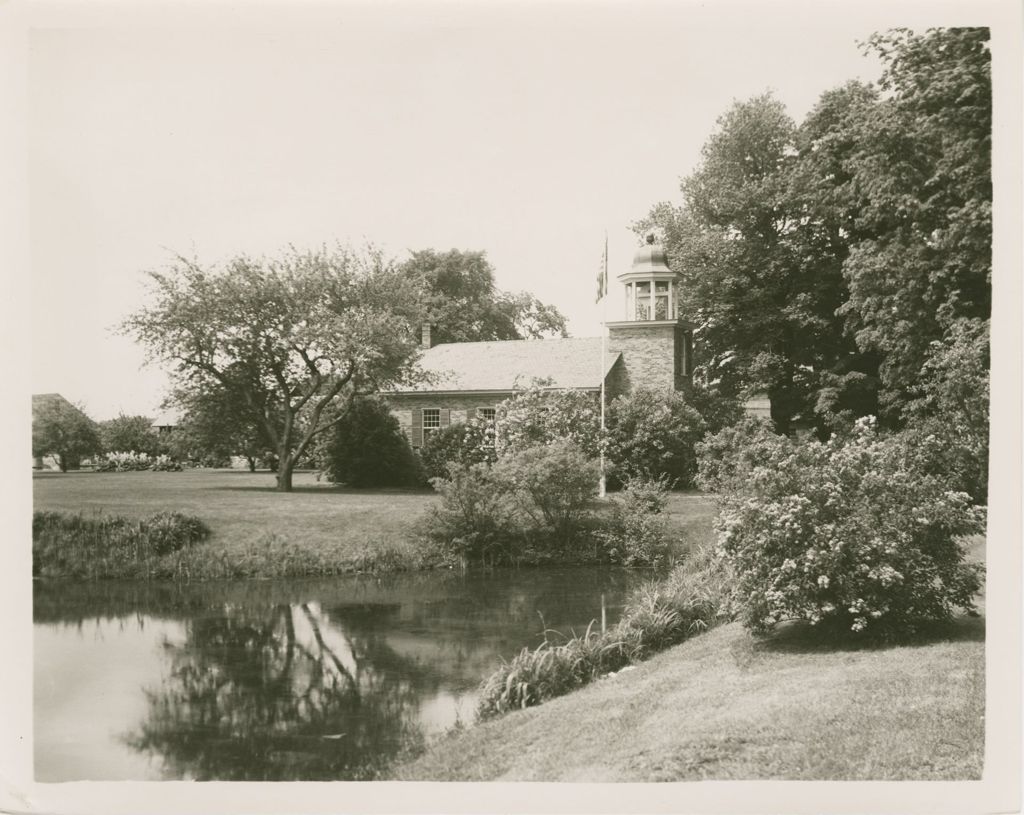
x,y
495,392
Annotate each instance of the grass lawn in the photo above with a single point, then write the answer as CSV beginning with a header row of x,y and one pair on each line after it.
x,y
727,706
257,532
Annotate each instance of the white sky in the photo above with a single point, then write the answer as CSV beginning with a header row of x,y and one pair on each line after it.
x,y
524,130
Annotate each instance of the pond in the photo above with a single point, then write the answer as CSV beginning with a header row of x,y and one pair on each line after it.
x,y
314,679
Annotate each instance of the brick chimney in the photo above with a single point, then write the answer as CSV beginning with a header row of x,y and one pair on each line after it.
x,y
426,341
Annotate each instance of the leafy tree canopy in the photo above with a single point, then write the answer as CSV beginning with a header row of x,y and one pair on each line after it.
x,y
823,261
125,434
62,429
464,305
297,337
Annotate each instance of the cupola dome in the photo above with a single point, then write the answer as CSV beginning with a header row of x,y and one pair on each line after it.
x,y
650,259
652,288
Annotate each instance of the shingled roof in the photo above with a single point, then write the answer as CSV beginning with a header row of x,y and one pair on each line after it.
x,y
512,365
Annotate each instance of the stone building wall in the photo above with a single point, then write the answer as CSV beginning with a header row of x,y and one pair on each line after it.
x,y
651,355
456,404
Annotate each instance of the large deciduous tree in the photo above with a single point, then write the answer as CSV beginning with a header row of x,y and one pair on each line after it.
x,y
297,338
826,263
62,430
920,188
753,280
464,304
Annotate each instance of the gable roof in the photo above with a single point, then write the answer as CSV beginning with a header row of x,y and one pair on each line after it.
x,y
571,362
41,400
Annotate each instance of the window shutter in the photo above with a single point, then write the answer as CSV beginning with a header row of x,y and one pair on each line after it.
x,y
470,414
446,417
417,427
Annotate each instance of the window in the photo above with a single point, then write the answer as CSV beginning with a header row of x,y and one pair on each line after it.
x,y
431,420
487,414
643,301
661,300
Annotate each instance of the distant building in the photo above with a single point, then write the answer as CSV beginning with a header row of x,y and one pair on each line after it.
x,y
652,347
165,423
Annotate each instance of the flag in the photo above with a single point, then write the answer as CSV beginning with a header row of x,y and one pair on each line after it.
x,y
602,273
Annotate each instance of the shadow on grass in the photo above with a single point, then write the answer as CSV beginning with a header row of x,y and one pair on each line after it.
x,y
325,489
803,638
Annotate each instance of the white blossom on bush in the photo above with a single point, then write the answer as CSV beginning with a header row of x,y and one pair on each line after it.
x,y
851,532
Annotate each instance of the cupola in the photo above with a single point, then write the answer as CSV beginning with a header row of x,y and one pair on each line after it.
x,y
652,288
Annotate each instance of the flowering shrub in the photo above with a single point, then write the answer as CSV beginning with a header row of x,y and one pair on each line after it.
x,y
636,532
850,534
135,462
537,417
464,443
651,435
165,464
950,416
123,462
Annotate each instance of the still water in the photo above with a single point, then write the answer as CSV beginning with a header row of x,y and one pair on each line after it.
x,y
323,679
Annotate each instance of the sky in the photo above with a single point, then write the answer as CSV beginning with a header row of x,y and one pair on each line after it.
x,y
525,130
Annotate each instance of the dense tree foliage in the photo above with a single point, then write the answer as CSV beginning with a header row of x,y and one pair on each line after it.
x,y
216,424
298,337
124,434
465,305
828,263
62,430
921,188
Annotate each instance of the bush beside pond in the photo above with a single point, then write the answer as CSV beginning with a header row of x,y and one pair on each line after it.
x,y
857,535
74,546
537,506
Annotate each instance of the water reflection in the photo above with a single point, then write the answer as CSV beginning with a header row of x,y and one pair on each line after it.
x,y
301,680
263,696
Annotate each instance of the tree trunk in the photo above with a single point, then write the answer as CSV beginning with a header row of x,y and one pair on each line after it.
x,y
252,463
62,462
284,475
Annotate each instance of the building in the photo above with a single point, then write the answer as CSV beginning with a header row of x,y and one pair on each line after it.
x,y
652,348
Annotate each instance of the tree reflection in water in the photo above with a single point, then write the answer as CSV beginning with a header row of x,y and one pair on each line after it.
x,y
281,695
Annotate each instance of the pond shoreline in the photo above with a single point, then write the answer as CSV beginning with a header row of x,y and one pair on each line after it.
x,y
396,660
256,532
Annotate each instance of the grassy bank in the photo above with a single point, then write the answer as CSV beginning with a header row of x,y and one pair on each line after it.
x,y
318,529
727,706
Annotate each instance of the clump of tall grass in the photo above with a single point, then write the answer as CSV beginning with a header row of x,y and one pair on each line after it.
x,y
75,546
275,556
695,596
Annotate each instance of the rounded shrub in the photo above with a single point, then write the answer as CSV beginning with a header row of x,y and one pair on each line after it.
x,y
652,435
368,449
554,485
851,534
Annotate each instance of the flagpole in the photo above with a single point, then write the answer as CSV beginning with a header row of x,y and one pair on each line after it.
x,y
602,485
